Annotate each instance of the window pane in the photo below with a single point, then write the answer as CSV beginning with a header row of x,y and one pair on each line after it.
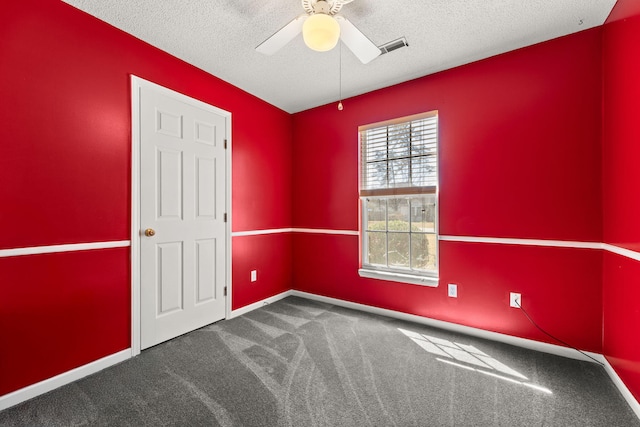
x,y
399,140
423,251
377,248
376,214
433,249
423,213
376,175
399,250
398,214
376,145
424,171
399,173
424,136
419,251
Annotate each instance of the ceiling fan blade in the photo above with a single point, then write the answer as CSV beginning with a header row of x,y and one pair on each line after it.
x,y
337,5
359,44
282,36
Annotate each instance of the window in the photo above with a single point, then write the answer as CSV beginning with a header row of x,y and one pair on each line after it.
x,y
398,192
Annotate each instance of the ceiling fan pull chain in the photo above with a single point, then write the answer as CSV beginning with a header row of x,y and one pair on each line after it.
x,y
340,106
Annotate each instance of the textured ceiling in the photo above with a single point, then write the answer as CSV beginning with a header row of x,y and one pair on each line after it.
x,y
220,36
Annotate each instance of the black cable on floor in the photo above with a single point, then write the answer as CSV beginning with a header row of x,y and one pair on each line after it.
x,y
555,338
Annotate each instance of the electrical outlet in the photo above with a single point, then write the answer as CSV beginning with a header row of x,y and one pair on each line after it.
x,y
453,290
515,300
254,275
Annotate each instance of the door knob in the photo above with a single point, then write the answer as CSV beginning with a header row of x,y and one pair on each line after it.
x,y
149,232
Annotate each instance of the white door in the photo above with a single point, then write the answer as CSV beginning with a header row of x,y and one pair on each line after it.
x,y
182,216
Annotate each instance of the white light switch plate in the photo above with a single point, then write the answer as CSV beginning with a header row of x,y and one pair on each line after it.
x,y
254,275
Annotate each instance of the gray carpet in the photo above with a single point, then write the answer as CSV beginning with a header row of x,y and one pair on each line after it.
x,y
303,363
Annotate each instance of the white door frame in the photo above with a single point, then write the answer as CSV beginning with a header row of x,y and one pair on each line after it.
x,y
137,84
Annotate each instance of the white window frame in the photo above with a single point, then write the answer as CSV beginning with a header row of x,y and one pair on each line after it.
x,y
426,278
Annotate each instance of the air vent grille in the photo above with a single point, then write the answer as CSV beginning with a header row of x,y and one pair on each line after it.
x,y
393,45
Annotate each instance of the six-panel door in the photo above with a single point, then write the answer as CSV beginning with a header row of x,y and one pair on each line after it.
x,y
182,200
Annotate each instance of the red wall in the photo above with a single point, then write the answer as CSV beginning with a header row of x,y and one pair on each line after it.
x,y
61,310
520,157
621,315
271,257
621,179
622,132
65,169
624,9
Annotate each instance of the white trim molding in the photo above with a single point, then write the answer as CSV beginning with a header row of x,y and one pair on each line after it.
x,y
261,232
480,333
135,216
493,336
617,381
295,230
454,327
412,279
73,247
229,206
326,231
258,304
522,242
546,243
29,392
45,386
621,251
464,239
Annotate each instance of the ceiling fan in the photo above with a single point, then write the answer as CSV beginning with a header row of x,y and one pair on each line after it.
x,y
321,29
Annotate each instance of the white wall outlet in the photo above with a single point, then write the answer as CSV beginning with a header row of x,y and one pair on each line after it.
x,y
515,300
254,275
453,290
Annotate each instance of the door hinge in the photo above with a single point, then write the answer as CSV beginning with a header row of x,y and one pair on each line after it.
x,y
225,291
225,144
225,217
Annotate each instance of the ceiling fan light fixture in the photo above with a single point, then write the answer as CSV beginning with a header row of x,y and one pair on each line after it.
x,y
321,32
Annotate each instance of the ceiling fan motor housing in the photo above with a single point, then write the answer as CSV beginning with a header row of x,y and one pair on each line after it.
x,y
322,6
321,29
327,7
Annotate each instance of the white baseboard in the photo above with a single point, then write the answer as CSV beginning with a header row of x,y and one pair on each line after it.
x,y
468,330
255,305
42,387
65,378
494,336
628,396
34,390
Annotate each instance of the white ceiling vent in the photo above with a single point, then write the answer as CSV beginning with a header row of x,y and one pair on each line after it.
x,y
393,45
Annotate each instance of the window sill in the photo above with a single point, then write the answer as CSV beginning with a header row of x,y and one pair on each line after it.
x,y
413,279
